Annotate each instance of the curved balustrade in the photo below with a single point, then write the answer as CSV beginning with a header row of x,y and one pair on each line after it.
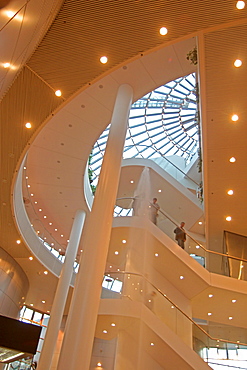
x,y
195,248
137,288
44,235
165,158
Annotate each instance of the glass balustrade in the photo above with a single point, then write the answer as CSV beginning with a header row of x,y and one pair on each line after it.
x,y
218,353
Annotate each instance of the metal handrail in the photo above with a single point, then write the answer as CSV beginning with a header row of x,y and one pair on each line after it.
x,y
176,306
191,237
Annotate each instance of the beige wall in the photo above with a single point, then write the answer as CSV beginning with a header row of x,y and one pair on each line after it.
x,y
13,285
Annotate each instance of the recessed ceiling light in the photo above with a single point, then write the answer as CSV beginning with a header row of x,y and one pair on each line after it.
x,y
55,229
104,60
31,304
210,295
240,5
6,65
116,252
61,235
28,125
238,63
163,31
197,246
40,209
58,93
209,313
32,194
172,307
29,186
50,223
46,272
151,344
113,324
181,277
232,159
159,191
31,258
45,216
132,181
99,364
156,254
230,317
230,192
18,241
234,300
105,331
52,244
200,222
124,241
35,202
228,218
43,301
234,117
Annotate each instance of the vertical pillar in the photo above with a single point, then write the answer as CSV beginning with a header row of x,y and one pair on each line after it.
x,y
61,293
80,328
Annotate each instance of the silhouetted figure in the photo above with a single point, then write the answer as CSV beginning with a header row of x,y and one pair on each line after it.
x,y
180,234
154,208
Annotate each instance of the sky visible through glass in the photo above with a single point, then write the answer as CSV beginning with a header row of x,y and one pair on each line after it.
x,y
162,123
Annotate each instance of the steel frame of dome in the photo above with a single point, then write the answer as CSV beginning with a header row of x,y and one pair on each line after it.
x,y
161,123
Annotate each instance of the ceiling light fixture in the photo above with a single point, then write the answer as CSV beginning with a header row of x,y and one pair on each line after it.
x,y
156,254
58,93
132,181
104,60
240,5
209,313
116,252
237,63
46,272
163,31
232,159
234,300
181,277
151,344
210,295
105,331
230,317
28,125
6,65
228,218
234,117
18,241
124,241
230,192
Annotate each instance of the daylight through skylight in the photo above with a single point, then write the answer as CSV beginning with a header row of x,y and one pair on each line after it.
x,y
162,123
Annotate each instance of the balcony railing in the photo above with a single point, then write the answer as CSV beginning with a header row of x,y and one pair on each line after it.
x,y
215,351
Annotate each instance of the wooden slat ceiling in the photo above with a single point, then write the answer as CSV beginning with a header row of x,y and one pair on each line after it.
x,y
68,59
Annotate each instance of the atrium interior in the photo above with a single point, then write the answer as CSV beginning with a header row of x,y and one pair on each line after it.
x,y
87,144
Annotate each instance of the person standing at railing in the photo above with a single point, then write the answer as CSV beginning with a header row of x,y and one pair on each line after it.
x,y
180,234
154,208
136,205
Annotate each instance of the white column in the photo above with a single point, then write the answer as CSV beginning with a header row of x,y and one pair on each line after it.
x,y
80,328
57,310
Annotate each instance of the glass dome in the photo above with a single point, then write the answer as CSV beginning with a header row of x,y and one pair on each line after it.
x,y
161,124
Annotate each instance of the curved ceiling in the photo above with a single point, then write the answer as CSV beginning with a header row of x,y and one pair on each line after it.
x,y
126,31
